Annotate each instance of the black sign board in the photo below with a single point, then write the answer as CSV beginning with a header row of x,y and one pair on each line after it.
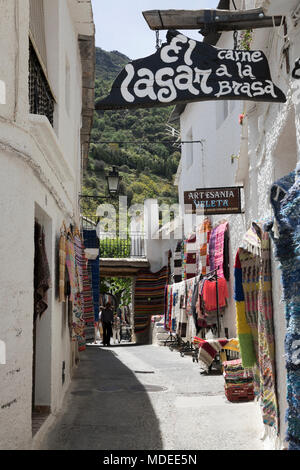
x,y
184,70
213,201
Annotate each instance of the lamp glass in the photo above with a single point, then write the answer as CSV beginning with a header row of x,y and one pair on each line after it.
x,y
113,180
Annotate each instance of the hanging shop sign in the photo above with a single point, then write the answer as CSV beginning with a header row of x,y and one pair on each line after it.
x,y
184,70
213,201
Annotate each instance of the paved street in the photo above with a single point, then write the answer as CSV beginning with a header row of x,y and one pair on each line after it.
x,y
147,397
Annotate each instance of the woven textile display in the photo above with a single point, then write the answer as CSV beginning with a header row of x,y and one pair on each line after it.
x,y
238,381
86,290
204,235
218,250
254,308
149,297
62,267
92,241
79,304
285,199
208,349
71,266
190,256
178,263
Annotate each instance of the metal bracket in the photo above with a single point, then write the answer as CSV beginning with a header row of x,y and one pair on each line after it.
x,y
296,69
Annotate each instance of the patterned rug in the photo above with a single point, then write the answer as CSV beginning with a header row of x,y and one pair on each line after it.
x,y
285,231
255,328
86,299
204,235
149,297
217,246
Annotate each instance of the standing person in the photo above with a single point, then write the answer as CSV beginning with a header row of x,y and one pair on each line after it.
x,y
107,316
116,328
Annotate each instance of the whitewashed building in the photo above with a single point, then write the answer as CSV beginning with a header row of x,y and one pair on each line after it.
x,y
46,112
254,155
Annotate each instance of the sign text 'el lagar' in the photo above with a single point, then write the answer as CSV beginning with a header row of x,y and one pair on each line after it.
x,y
213,201
184,70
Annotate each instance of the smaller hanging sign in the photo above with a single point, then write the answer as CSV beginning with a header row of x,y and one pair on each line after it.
x,y
213,201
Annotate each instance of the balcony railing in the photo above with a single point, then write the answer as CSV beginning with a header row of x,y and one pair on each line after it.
x,y
132,247
115,247
41,100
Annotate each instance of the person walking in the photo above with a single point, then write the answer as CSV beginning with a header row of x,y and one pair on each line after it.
x,y
107,317
116,328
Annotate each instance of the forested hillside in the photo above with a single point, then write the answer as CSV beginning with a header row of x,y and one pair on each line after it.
x,y
147,169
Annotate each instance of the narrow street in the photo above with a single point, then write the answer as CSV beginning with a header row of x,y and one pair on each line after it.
x,y
149,398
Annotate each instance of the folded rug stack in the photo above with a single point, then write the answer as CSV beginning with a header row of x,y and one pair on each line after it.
x,y
238,381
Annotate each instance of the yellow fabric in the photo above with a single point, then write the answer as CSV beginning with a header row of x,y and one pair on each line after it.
x,y
241,321
233,345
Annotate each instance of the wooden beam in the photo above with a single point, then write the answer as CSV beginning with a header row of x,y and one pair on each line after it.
x,y
220,20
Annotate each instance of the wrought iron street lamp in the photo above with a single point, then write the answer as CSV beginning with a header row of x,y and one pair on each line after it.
x,y
113,182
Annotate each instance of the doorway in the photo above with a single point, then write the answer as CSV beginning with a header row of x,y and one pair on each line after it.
x,y
41,363
119,291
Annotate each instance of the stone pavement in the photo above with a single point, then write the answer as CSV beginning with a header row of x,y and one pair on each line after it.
x,y
130,397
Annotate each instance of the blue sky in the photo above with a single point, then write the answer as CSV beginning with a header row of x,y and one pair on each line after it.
x,y
120,24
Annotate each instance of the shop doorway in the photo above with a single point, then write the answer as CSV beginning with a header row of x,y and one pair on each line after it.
x,y
41,363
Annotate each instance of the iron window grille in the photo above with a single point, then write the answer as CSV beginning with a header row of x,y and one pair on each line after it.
x,y
41,100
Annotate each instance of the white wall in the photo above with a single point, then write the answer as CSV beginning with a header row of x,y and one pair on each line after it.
x,y
39,178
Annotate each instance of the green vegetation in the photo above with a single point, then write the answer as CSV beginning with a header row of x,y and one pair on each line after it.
x,y
147,169
120,287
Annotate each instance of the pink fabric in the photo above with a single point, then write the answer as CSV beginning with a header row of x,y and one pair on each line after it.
x,y
217,255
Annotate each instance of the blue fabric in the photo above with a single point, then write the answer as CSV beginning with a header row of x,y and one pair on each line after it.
x,y
238,285
92,241
285,200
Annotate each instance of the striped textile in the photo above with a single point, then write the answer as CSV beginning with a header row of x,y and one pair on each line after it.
x,y
78,325
79,260
86,299
255,319
71,266
62,267
149,296
92,241
204,236
89,316
216,248
208,350
190,256
178,263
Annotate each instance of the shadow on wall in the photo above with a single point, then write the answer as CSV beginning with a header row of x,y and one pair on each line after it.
x,y
105,408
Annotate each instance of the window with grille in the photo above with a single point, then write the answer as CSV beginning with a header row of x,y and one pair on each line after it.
x,y
41,100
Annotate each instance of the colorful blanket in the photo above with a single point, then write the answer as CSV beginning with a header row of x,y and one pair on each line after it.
x,y
216,248
254,308
178,263
285,230
62,267
204,235
208,349
190,256
149,297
